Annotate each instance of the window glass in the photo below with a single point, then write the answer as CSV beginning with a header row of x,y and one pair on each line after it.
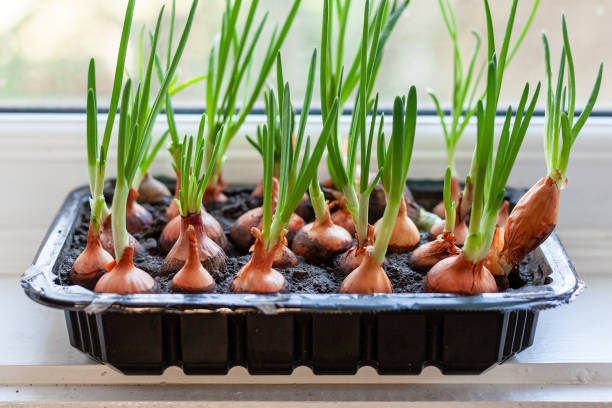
x,y
46,45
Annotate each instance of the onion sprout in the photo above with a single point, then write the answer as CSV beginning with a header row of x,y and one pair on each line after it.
x,y
295,177
395,168
343,174
490,175
535,215
465,85
332,77
559,116
222,93
135,127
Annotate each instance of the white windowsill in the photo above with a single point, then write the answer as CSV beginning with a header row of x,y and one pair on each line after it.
x,y
571,359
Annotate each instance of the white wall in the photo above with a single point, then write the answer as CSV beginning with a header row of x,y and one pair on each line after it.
x,y
42,158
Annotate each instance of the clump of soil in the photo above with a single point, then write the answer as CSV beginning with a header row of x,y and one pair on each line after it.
x,y
304,278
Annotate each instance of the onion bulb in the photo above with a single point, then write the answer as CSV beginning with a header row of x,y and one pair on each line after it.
x,y
136,216
193,277
427,255
258,276
240,231
531,221
354,256
460,275
124,278
405,236
211,255
367,278
318,242
172,230
91,263
152,190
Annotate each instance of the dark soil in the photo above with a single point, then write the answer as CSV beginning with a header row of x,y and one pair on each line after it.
x,y
304,278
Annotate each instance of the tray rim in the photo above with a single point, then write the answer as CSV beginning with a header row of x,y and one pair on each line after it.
x,y
38,283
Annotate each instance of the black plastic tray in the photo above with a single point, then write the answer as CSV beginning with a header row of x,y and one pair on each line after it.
x,y
272,334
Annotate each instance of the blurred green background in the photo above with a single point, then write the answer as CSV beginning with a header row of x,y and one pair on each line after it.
x,y
45,46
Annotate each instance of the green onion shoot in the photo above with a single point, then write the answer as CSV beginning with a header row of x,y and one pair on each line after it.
x,y
535,216
369,276
466,85
193,184
427,255
270,247
135,128
465,273
90,265
231,56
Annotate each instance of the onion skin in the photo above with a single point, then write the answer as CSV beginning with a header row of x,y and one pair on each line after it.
x,y
367,278
214,192
427,255
455,195
343,218
173,210
405,235
492,259
354,256
214,230
241,231
319,242
172,231
460,231
243,239
531,221
258,190
460,275
258,276
304,208
284,258
152,190
106,238
378,202
91,264
193,277
124,278
211,255
136,216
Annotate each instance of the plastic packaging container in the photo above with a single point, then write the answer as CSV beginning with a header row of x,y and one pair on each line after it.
x,y
272,334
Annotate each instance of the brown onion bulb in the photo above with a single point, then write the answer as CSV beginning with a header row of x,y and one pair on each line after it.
x,y
211,255
258,276
258,190
173,211
343,217
106,238
91,263
193,277
172,230
460,275
354,256
460,231
136,216
240,231
152,190
427,255
214,192
319,242
405,235
531,221
367,278
124,278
